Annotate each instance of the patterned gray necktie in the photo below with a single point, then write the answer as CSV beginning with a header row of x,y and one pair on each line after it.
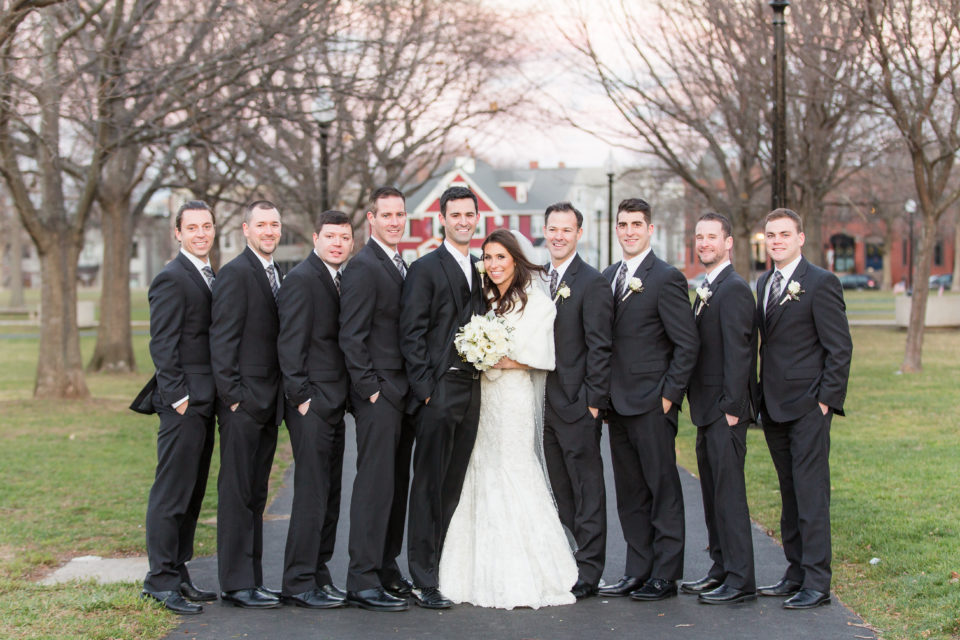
x,y
553,283
397,260
208,274
774,293
336,282
272,277
621,281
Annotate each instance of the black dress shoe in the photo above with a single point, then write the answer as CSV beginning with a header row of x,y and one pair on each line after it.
x,y
782,589
269,592
807,599
655,589
313,599
700,586
583,590
333,591
250,599
376,600
191,592
725,594
624,587
173,601
431,599
399,588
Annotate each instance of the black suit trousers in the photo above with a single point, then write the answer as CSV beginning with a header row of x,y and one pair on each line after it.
x,y
721,451
390,570
572,451
379,427
801,455
318,467
446,431
246,455
649,496
184,448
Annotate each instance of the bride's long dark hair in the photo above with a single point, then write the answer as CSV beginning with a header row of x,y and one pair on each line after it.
x,y
523,272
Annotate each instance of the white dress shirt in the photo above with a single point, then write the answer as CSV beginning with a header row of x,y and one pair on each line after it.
x,y
712,275
787,273
463,261
562,269
632,265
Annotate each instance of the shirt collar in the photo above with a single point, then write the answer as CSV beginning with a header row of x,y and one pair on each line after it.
x,y
635,261
459,257
264,262
562,269
787,271
333,270
387,250
711,276
195,261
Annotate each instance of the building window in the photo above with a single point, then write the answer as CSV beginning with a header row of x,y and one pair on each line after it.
x,y
227,241
134,250
536,226
938,254
874,252
843,253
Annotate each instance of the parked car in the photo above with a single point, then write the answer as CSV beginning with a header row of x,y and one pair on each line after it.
x,y
696,281
944,280
858,281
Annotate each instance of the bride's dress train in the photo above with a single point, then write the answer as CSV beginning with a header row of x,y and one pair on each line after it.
x,y
505,546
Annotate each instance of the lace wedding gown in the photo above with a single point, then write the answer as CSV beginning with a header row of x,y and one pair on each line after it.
x,y
505,546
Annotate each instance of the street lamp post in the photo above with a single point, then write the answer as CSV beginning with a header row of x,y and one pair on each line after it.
x,y
911,207
611,168
324,113
779,183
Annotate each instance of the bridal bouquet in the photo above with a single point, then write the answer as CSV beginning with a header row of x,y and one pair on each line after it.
x,y
483,340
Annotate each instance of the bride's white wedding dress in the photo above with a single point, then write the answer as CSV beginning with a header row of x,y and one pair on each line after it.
x,y
505,547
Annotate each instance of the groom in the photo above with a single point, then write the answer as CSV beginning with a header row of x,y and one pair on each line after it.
x,y
576,392
440,294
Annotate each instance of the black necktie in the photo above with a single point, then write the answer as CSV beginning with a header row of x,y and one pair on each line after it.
x,y
774,293
208,274
553,283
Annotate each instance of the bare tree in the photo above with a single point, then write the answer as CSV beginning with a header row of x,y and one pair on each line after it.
x,y
691,86
914,50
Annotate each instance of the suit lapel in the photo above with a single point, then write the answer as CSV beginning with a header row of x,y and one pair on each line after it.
x,y
260,275
323,273
454,276
640,272
782,304
194,275
712,287
386,261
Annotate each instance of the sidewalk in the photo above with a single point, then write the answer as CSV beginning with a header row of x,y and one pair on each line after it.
x,y
680,617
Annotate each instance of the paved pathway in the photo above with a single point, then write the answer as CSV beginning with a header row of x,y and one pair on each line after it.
x,y
680,617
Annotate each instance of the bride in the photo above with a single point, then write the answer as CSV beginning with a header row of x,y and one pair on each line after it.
x,y
505,546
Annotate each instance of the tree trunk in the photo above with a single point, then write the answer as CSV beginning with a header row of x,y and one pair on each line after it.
x,y
912,357
813,234
114,350
956,251
15,234
742,259
886,282
60,365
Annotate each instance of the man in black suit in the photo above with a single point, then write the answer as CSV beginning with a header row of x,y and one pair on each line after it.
x,y
805,352
182,393
720,406
369,337
655,346
243,350
441,293
577,390
315,385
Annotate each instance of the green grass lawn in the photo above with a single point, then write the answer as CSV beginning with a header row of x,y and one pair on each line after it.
x,y
74,479
894,460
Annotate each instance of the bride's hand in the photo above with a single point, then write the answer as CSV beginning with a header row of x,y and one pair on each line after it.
x,y
507,363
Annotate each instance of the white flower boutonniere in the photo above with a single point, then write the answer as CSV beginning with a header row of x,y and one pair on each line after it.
x,y
634,285
703,293
563,292
793,291
482,270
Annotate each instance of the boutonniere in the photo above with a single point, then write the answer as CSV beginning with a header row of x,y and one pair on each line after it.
x,y
563,292
703,293
634,285
793,291
482,270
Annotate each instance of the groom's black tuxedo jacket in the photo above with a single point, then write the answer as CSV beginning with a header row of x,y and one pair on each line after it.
x,y
805,346
583,336
436,303
725,375
369,312
243,339
310,357
655,340
179,341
